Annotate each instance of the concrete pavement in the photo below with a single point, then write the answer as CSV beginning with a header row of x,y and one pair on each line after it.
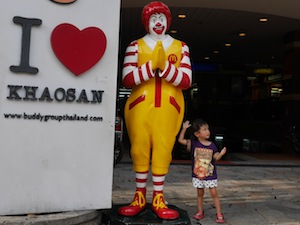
x,y
256,191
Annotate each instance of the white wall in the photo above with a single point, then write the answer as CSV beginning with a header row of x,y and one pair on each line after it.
x,y
50,166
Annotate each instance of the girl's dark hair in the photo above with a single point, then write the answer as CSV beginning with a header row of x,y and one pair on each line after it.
x,y
197,124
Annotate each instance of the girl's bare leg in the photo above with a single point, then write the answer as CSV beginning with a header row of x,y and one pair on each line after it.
x,y
215,197
200,194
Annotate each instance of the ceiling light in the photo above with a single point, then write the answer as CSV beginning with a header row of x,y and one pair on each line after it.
x,y
242,34
263,19
206,58
181,16
227,44
173,31
216,52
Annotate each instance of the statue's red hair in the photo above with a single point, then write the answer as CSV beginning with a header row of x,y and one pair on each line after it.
x,y
155,7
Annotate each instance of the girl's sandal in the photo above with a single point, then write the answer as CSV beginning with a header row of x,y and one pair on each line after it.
x,y
220,218
199,216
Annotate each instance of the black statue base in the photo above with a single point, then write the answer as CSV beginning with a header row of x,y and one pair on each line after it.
x,y
146,217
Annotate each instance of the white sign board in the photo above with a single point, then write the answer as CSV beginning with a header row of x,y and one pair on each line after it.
x,y
58,66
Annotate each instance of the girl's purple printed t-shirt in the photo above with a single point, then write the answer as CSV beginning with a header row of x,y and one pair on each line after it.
x,y
213,148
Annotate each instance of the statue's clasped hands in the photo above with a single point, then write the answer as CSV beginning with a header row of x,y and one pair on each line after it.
x,y
158,57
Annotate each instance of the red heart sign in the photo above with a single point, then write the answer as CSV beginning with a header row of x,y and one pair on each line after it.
x,y
78,50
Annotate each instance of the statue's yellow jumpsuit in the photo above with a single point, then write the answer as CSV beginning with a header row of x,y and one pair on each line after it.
x,y
154,111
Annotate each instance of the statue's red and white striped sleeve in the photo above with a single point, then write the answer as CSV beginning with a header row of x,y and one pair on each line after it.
x,y
132,74
180,77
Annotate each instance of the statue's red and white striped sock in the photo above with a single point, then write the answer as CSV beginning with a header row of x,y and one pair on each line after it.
x,y
158,183
141,179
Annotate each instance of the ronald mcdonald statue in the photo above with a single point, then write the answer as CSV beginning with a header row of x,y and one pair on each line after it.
x,y
157,67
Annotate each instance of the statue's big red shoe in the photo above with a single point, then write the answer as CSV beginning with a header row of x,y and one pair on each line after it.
x,y
160,208
137,205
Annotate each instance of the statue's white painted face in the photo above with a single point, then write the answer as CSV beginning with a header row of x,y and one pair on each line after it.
x,y
158,24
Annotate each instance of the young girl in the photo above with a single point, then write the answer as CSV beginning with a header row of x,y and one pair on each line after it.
x,y
204,154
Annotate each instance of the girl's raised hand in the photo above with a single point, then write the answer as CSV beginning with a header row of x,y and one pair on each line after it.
x,y
186,124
